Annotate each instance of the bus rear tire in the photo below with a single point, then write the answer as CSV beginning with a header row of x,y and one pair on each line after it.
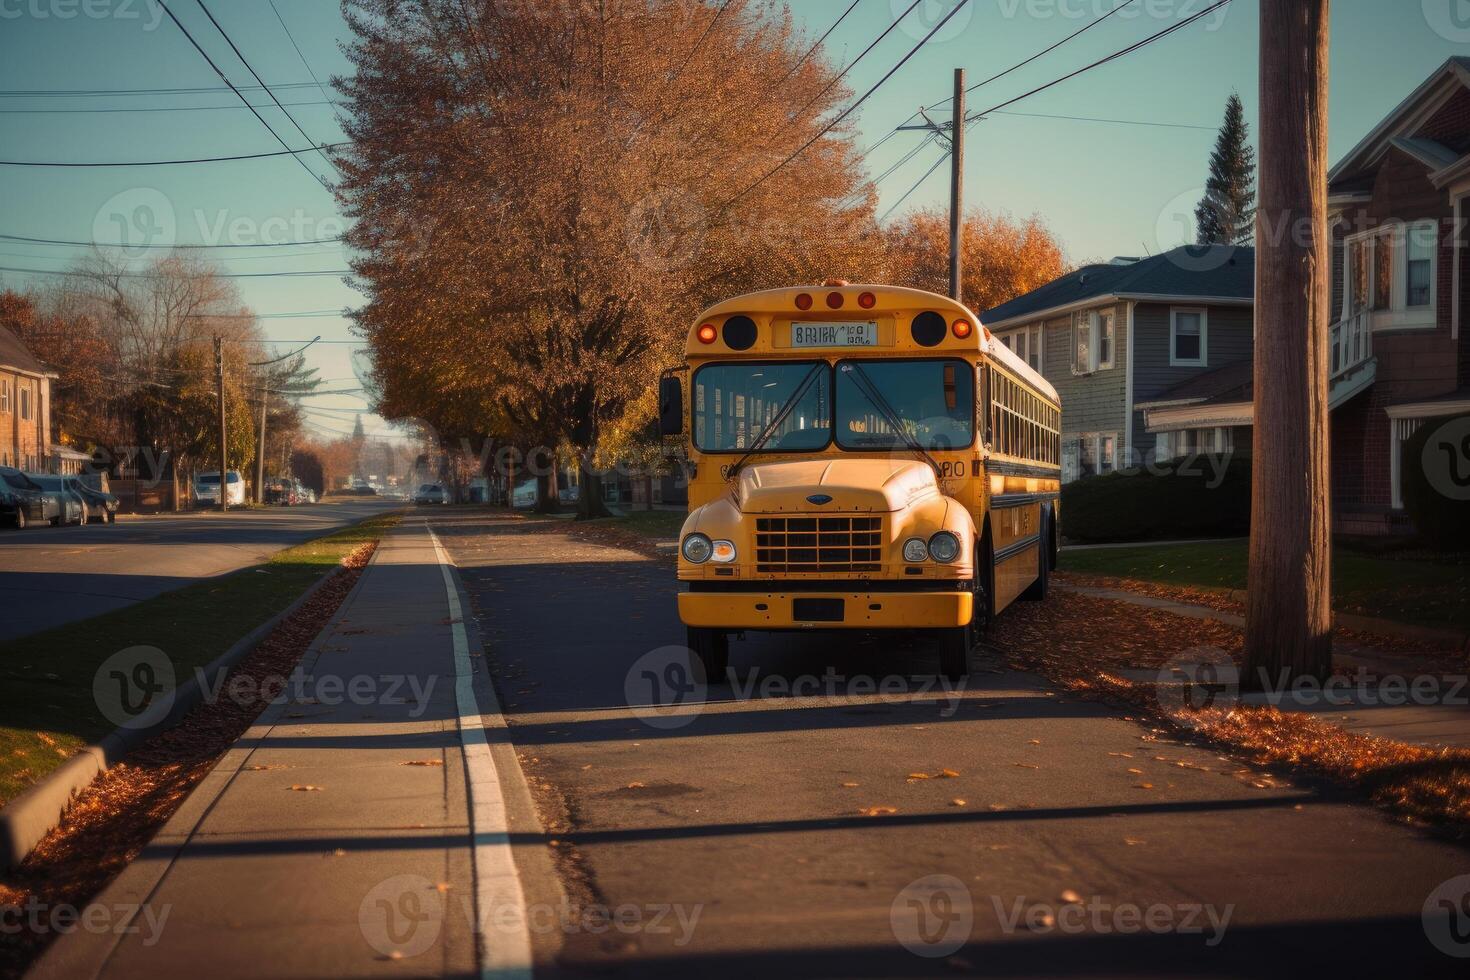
x,y
710,655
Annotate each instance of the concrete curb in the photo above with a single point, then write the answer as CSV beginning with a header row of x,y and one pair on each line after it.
x,y
32,815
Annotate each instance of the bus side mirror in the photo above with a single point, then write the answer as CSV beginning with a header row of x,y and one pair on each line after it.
x,y
670,406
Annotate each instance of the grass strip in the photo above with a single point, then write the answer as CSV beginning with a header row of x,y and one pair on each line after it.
x,y
46,700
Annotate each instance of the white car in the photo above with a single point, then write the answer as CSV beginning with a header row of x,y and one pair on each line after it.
x,y
431,493
206,488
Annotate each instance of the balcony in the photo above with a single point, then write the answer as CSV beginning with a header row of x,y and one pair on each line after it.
x,y
1352,364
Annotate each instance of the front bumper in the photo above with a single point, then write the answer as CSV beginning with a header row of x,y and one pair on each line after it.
x,y
858,609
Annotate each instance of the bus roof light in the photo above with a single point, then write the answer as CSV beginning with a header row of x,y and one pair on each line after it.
x,y
962,329
708,333
803,301
867,301
835,300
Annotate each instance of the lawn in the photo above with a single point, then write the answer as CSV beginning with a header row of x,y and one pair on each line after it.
x,y
1413,589
46,679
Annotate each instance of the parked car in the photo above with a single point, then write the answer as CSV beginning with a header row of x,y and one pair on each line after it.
x,y
281,492
309,495
22,501
206,488
431,493
101,505
70,508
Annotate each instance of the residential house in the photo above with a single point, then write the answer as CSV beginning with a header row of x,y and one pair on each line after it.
x,y
1399,352
1117,338
25,405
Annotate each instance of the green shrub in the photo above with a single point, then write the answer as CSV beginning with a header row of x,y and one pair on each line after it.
x,y
1196,497
1435,486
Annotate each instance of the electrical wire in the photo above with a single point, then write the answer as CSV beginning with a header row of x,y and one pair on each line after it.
x,y
825,34
174,163
58,241
221,275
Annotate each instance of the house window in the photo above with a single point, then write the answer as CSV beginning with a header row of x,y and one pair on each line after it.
x,y
1107,452
1105,339
1188,338
1082,347
1215,441
25,403
1419,265
5,397
1026,344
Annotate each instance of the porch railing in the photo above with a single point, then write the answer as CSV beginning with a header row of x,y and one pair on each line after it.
x,y
1352,343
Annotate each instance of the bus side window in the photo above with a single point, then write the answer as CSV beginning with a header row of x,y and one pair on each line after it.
x,y
982,391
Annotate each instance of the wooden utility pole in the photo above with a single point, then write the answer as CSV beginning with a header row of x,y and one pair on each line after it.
x,y
219,371
1289,612
957,186
260,455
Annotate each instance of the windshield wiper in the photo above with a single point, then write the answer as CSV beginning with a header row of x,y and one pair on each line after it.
x,y
779,418
871,392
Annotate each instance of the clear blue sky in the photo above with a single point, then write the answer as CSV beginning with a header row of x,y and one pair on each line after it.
x,y
1106,188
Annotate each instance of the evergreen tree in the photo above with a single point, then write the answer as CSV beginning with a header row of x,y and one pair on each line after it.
x,y
1227,213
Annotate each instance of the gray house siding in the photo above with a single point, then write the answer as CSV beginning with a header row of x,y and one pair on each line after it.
x,y
1229,337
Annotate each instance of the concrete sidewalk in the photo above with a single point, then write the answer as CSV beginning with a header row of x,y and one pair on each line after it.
x,y
337,838
1379,699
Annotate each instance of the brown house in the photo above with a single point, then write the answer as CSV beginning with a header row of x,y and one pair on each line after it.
x,y
1400,353
25,405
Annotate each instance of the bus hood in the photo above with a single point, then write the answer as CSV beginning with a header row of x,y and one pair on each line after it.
x,y
854,485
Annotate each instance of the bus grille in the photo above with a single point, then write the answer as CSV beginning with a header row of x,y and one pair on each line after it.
x,y
818,544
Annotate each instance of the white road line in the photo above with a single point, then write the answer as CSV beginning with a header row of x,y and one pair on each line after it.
x,y
503,935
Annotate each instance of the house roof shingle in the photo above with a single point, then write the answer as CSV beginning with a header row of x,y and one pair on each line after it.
x,y
1235,382
1219,271
13,354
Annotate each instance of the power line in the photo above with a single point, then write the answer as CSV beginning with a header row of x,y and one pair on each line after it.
x,y
161,108
173,163
304,63
253,74
697,44
825,34
852,108
218,275
1103,61
222,77
71,93
1115,122
75,244
863,54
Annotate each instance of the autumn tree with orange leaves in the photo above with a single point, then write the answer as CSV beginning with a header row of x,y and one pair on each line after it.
x,y
1003,258
546,194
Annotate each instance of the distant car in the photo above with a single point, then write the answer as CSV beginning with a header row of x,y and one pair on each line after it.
x,y
71,509
22,501
101,505
206,488
431,493
524,495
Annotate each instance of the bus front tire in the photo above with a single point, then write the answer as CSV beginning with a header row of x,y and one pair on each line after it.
x,y
710,654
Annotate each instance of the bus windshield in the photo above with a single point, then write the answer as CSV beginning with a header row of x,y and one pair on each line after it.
x,y
733,403
934,400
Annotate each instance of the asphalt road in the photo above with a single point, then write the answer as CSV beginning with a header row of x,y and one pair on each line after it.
x,y
55,575
732,826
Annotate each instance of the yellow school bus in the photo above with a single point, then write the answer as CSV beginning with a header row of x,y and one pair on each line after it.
x,y
861,457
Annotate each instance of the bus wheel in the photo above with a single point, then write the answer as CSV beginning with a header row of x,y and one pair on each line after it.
x,y
711,654
1039,588
955,647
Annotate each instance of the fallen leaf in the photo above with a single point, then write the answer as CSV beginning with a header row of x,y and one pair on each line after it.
x,y
305,788
1145,786
918,775
946,774
1136,772
635,786
957,802
423,762
876,811
849,785
1070,897
1026,765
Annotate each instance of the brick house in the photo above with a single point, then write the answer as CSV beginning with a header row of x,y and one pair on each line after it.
x,y
1399,352
25,405
1115,338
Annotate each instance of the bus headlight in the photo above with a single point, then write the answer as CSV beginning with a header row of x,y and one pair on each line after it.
x,y
697,549
724,552
944,547
914,550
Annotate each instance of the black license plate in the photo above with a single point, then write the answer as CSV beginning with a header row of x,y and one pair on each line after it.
x,y
817,610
